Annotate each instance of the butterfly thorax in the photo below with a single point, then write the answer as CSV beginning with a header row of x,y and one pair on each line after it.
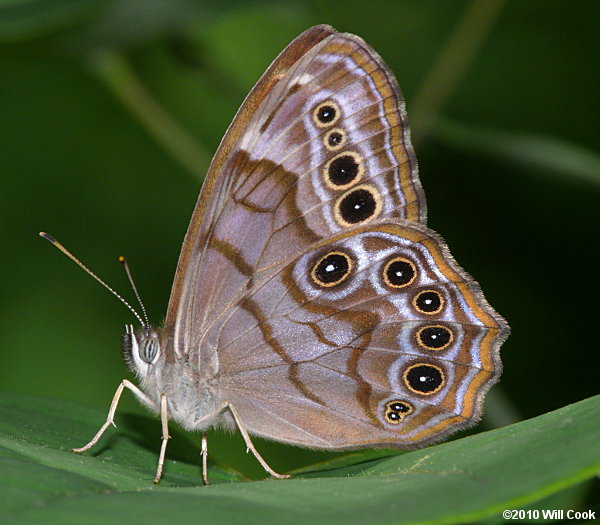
x,y
191,394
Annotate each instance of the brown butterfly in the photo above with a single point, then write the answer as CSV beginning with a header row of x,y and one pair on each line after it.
x,y
311,305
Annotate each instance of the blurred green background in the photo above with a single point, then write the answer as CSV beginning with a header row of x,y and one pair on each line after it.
x,y
111,110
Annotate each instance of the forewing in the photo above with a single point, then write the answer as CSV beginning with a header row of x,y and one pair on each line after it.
x,y
289,174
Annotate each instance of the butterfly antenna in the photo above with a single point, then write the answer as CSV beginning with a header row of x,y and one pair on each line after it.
x,y
135,291
52,240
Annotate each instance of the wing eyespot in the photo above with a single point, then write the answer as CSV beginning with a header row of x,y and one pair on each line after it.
x,y
428,302
434,337
396,411
344,170
359,205
424,378
335,139
332,269
326,114
399,272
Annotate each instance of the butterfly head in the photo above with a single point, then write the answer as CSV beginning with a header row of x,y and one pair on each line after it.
x,y
141,350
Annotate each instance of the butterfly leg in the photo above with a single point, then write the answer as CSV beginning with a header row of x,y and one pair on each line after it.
x,y
250,446
113,408
204,454
247,440
164,419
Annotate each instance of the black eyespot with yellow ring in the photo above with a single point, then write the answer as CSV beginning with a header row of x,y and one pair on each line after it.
x,y
344,170
326,114
424,378
396,411
332,269
335,139
428,302
434,337
358,205
399,272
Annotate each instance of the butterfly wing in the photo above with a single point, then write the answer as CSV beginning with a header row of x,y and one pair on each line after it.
x,y
397,348
327,117
316,179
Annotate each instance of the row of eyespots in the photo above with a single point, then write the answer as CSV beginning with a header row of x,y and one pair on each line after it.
x,y
360,203
400,272
428,302
335,267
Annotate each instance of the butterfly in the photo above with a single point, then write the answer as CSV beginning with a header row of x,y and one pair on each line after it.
x,y
311,304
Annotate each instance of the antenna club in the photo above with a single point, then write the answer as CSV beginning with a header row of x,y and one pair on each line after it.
x,y
121,259
48,237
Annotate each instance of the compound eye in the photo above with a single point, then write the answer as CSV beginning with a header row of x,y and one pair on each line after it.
x,y
149,350
141,349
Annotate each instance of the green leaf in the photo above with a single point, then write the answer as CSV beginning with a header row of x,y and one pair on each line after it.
x,y
467,479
